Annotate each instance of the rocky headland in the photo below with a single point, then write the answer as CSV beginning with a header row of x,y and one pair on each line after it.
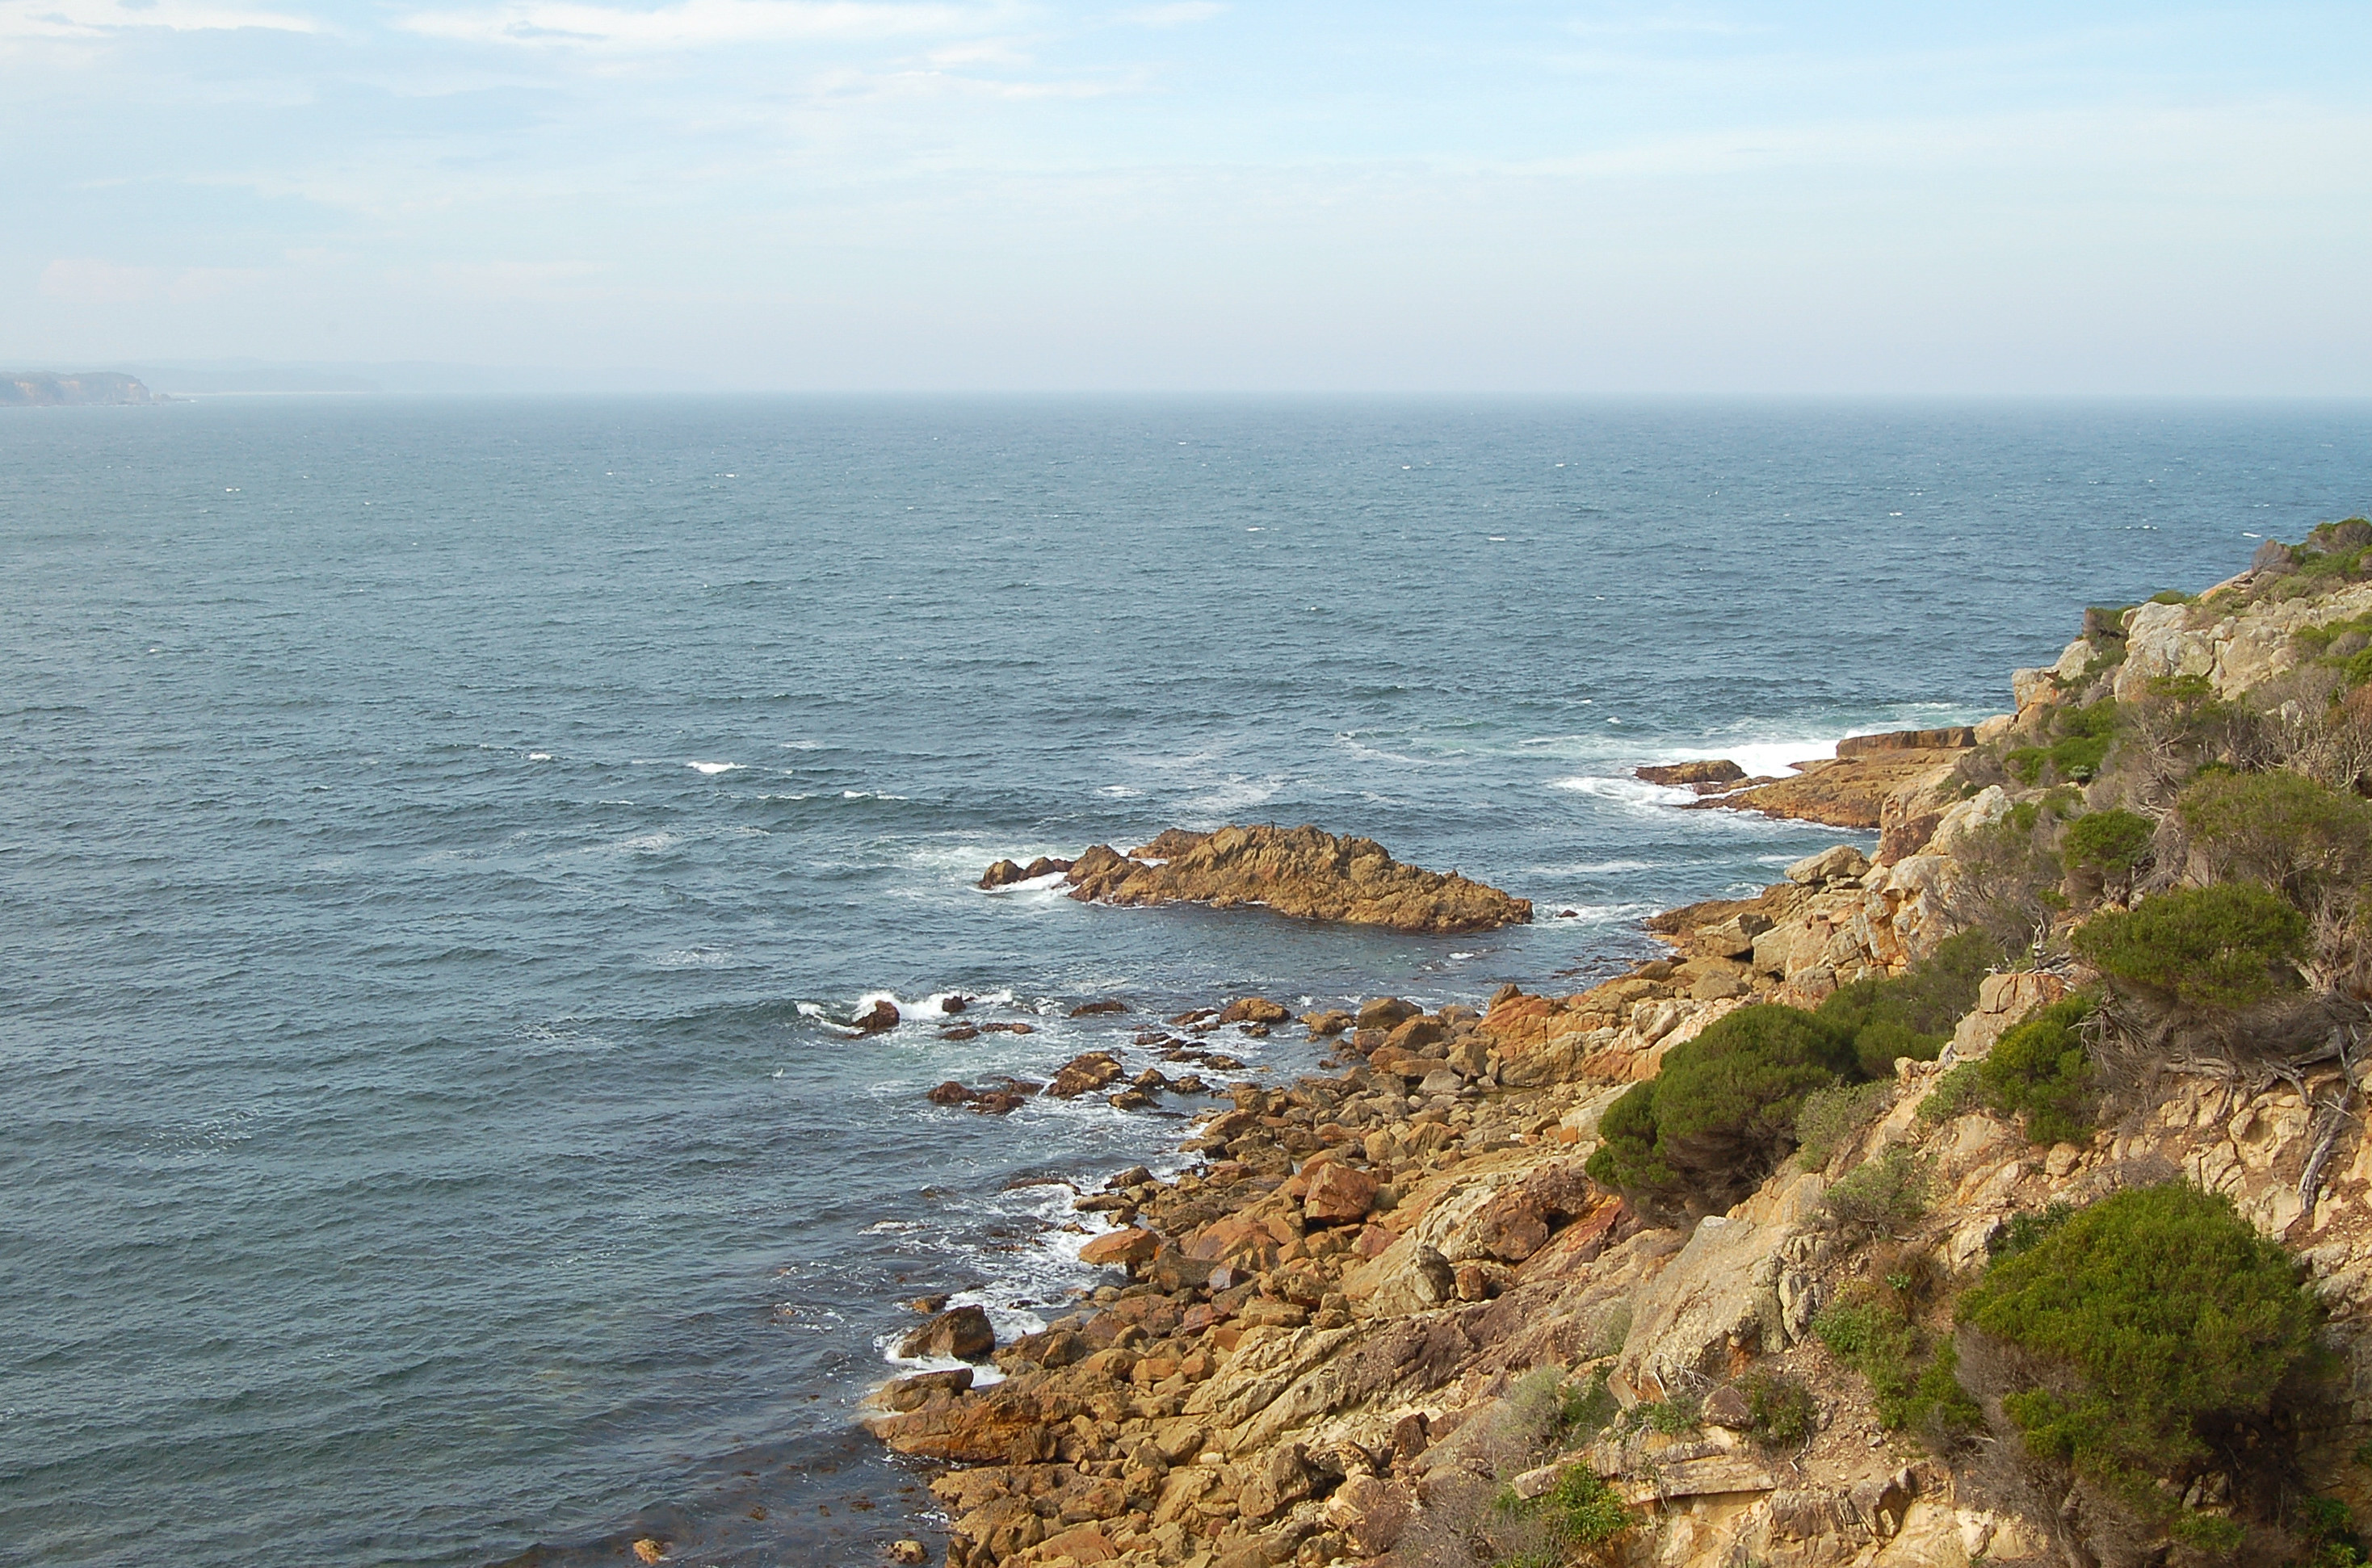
x,y
47,389
2000,1196
1302,872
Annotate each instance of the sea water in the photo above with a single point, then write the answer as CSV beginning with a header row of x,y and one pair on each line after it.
x,y
443,842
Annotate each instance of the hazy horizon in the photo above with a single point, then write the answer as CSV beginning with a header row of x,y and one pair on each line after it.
x,y
842,195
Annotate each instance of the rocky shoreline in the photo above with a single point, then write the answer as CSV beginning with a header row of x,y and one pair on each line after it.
x,y
1393,1318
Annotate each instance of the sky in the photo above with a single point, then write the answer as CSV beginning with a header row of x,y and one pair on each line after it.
x,y
1590,198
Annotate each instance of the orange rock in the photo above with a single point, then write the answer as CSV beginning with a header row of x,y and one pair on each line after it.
x,y
1299,871
650,1549
1124,1248
1338,1195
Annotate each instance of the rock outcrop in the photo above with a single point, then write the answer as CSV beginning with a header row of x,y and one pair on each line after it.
x,y
1303,872
1389,1309
46,388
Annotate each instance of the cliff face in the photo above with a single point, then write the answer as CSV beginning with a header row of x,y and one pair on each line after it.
x,y
1396,1319
43,387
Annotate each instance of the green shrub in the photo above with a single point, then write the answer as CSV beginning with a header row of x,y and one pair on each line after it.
x,y
1910,1384
1831,1116
2040,1070
1912,1014
2025,1232
2167,1308
2171,595
1780,1411
1957,1092
2278,828
1887,1192
2224,946
2106,844
1583,1514
2082,738
1722,1113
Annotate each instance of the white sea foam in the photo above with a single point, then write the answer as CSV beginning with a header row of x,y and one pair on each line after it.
x,y
539,756
713,768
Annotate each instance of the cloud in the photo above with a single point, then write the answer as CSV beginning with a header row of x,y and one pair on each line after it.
x,y
83,280
1177,16
94,18
695,24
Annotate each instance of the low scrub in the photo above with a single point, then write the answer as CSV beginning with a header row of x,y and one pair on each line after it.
x,y
2041,1072
2080,745
2102,849
2224,946
1780,1411
2277,828
2167,1316
1913,1377
1722,1113
1886,1192
1912,1014
1578,1519
1832,1118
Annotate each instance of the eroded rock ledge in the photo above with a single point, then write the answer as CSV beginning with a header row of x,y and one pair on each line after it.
x,y
1304,872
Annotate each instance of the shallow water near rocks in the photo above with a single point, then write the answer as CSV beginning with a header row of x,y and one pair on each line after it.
x,y
443,837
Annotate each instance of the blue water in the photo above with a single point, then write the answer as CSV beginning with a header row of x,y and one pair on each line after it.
x,y
440,837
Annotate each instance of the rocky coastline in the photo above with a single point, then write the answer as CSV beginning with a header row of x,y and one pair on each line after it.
x,y
1400,1315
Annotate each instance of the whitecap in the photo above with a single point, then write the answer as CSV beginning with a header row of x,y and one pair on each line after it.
x,y
539,756
713,768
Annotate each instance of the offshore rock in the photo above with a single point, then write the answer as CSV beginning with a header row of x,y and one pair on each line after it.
x,y
1714,770
1304,872
879,1018
961,1332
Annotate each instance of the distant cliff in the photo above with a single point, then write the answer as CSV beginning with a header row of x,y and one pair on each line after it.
x,y
46,388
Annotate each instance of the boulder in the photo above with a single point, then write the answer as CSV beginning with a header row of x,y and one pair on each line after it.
x,y
1415,1034
1121,1249
1386,1013
1371,1514
1955,737
913,1393
1044,866
1841,863
1254,1010
1003,874
1338,1195
879,1018
1084,1074
961,1333
1714,770
1332,1021
950,1093
1098,1009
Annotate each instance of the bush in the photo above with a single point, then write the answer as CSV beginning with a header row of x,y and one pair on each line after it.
x,y
2224,946
1706,1130
1580,1516
2084,736
1584,1410
1884,1193
2040,1070
1780,1411
2277,828
1912,1014
1957,1092
2106,844
2169,1309
1911,1385
1830,1116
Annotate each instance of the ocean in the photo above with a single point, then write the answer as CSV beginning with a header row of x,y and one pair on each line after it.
x,y
444,841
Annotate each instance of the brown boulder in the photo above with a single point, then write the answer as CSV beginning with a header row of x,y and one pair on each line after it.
x,y
1083,1073
1254,1010
963,1333
948,1093
1714,770
1956,738
1003,874
879,1018
1386,1013
1338,1195
1096,1009
1044,866
1330,1021
1122,1248
913,1393
1416,1034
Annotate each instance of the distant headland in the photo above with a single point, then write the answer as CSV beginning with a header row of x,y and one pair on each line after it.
x,y
37,389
